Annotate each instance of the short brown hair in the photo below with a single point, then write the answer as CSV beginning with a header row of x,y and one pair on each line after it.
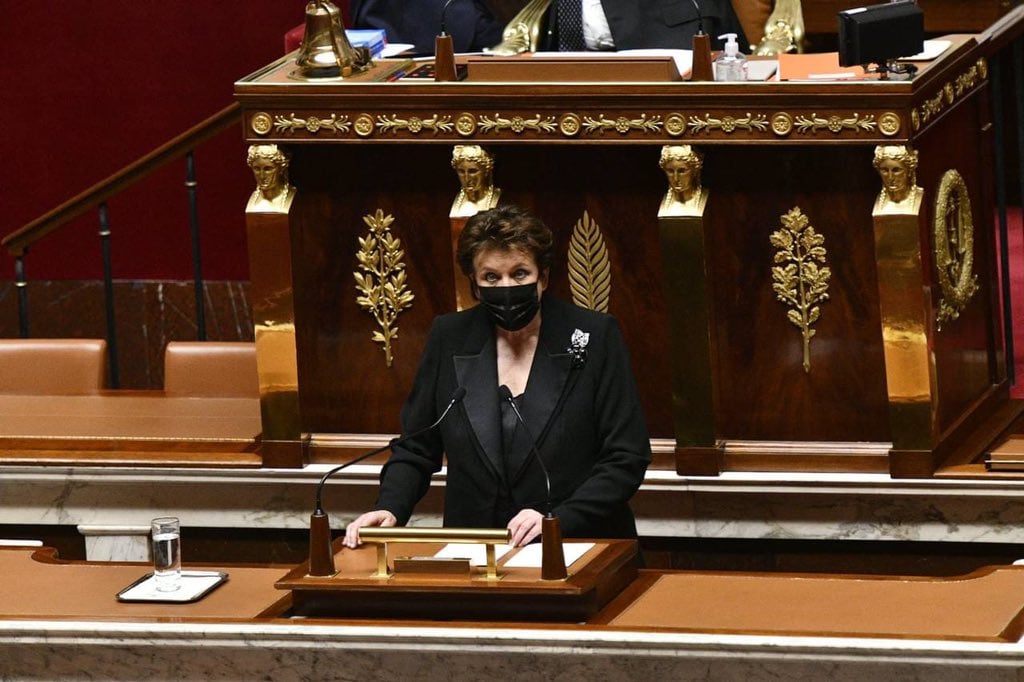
x,y
506,228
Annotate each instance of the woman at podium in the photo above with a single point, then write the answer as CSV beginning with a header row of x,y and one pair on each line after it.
x,y
576,421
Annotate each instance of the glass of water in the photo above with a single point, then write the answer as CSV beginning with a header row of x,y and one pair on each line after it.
x,y
167,553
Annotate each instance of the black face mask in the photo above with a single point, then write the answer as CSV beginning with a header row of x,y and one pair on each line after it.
x,y
510,308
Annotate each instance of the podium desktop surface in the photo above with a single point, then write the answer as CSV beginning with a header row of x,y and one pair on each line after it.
x,y
63,621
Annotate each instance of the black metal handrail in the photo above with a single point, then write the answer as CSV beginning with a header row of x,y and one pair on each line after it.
x,y
97,196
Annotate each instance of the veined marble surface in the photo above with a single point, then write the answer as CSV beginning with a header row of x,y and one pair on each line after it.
x,y
730,506
36,650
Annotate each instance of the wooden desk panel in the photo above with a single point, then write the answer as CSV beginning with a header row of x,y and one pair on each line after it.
x,y
35,585
130,428
985,605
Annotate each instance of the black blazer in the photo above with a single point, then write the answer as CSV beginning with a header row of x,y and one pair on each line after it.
x,y
470,24
585,415
637,24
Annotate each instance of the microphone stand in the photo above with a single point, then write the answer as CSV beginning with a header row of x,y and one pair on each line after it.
x,y
321,554
444,52
701,69
552,563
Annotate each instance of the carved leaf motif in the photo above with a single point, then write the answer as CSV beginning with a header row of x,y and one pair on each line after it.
x,y
382,284
590,276
802,282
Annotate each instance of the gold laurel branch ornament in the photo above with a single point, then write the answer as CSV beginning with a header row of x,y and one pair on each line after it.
x,y
590,272
382,289
800,278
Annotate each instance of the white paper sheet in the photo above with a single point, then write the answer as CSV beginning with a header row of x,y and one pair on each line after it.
x,y
530,556
476,553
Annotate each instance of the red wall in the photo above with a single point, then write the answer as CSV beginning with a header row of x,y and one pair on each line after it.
x,y
88,87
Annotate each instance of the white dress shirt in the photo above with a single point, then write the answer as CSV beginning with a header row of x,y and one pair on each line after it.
x,y
597,35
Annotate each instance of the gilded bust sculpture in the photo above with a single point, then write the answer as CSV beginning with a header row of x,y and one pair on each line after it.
x,y
897,167
475,168
269,166
685,196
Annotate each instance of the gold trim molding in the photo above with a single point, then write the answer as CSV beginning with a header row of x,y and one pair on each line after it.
x,y
953,232
518,124
801,277
834,123
728,124
590,276
675,124
381,284
312,124
951,91
414,124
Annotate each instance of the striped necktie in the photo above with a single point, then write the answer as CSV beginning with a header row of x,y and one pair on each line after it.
x,y
570,25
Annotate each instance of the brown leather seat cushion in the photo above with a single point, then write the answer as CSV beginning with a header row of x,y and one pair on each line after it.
x,y
53,366
211,368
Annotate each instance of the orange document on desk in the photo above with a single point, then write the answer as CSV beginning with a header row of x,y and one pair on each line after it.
x,y
816,67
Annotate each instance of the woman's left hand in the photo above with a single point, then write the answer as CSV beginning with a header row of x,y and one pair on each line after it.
x,y
525,527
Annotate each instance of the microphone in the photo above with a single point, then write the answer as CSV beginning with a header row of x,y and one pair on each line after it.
x,y
701,68
506,395
321,555
700,17
444,51
552,566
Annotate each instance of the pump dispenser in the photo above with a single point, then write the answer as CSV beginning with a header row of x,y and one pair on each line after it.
x,y
731,65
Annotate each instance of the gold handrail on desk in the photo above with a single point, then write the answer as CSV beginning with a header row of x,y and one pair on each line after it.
x,y
489,537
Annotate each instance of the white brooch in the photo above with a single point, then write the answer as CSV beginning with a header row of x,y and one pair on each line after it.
x,y
578,347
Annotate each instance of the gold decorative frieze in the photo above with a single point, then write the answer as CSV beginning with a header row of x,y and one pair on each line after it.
x,y
622,124
675,124
570,125
364,125
728,124
951,91
414,124
518,124
889,123
590,276
835,123
312,124
800,277
261,123
953,231
381,284
782,124
465,124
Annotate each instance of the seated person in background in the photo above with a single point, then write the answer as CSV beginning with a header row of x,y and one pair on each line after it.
x,y
569,371
637,24
470,23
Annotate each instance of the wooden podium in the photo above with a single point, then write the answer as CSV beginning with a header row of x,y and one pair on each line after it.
x,y
518,594
585,157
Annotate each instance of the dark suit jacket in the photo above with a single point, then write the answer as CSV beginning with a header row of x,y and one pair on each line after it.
x,y
586,417
470,24
637,24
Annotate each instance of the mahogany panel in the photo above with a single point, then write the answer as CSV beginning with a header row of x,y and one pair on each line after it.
x,y
763,391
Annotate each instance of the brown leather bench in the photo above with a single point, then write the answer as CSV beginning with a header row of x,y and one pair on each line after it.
x,y
53,366
222,369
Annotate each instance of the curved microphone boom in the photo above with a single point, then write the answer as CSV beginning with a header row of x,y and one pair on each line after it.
x,y
444,51
552,565
321,555
444,17
506,395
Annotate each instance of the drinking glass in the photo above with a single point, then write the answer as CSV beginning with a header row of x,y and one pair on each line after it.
x,y
167,553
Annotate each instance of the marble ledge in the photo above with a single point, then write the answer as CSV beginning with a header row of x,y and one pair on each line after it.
x,y
305,650
732,506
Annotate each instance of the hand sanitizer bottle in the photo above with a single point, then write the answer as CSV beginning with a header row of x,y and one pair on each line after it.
x,y
732,65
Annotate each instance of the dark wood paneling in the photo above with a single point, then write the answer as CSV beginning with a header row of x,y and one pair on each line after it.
x,y
763,391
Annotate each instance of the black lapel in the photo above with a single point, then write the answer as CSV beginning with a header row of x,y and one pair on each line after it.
x,y
551,376
476,369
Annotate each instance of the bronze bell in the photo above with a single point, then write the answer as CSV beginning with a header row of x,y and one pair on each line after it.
x,y
326,51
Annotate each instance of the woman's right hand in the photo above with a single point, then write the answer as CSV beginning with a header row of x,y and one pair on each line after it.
x,y
381,517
